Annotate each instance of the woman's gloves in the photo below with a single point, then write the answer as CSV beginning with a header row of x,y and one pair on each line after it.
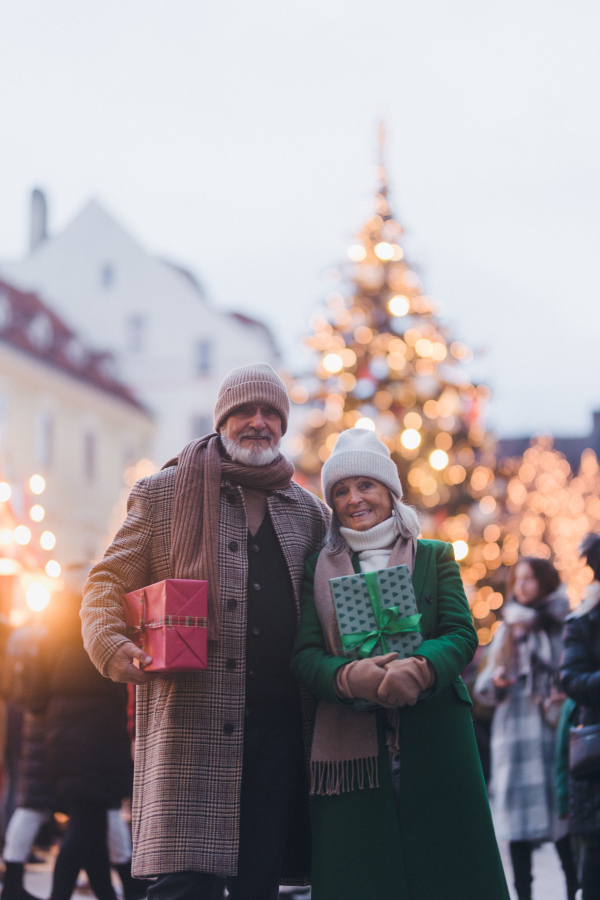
x,y
404,681
361,679
385,680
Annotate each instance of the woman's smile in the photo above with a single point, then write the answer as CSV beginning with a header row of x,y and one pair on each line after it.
x,y
361,502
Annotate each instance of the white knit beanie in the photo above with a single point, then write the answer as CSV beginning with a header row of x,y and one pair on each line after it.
x,y
358,451
258,383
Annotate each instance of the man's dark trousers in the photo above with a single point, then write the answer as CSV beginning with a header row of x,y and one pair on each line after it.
x,y
273,777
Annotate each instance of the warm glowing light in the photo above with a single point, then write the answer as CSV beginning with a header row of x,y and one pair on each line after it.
x,y
333,362
439,459
438,351
53,568
37,484
22,535
424,347
399,305
8,566
487,505
6,536
410,438
37,513
47,540
357,252
363,334
37,596
384,250
348,356
461,548
299,394
5,492
495,600
412,420
365,422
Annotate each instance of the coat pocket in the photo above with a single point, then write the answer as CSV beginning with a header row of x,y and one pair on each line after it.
x,y
461,691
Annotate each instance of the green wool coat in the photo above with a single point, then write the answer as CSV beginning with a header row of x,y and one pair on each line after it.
x,y
441,845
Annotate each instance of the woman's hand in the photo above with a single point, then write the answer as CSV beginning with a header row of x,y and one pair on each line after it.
x,y
361,679
404,681
499,679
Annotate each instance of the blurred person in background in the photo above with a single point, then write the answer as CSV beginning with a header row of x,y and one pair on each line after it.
x,y
580,675
521,681
89,757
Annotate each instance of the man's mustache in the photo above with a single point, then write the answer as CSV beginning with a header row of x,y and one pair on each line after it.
x,y
263,435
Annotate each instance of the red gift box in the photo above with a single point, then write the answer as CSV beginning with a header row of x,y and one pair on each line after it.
x,y
168,621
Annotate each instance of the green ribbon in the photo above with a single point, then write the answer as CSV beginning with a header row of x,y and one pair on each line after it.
x,y
387,621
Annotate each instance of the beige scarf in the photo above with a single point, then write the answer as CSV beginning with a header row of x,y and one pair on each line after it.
x,y
195,524
344,749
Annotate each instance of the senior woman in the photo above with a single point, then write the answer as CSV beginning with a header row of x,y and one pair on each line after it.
x,y
400,805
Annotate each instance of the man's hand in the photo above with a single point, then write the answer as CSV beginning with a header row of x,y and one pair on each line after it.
x,y
404,681
120,666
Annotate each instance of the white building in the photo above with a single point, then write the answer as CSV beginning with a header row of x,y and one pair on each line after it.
x,y
63,416
169,344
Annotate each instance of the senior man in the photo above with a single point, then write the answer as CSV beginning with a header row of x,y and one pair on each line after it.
x,y
220,789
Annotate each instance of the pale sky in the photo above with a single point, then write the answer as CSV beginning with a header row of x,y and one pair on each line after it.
x,y
239,139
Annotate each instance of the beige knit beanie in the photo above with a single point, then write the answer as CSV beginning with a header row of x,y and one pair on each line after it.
x,y
358,451
258,383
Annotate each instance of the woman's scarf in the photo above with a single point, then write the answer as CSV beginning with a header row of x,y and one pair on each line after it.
x,y
201,466
344,749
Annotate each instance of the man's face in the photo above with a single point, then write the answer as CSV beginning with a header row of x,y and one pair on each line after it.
x,y
251,434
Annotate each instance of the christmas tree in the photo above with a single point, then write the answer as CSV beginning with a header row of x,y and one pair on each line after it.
x,y
385,361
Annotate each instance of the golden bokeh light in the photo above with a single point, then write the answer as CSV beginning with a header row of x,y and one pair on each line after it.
x,y
410,438
333,363
22,535
37,596
399,305
357,252
37,513
47,540
37,485
461,548
439,459
5,491
365,422
384,251
53,568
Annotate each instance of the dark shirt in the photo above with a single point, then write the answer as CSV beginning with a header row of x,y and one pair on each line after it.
x,y
271,626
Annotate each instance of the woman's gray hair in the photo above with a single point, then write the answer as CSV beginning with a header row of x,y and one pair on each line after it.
x,y
406,517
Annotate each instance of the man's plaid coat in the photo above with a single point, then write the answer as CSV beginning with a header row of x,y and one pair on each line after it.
x,y
190,726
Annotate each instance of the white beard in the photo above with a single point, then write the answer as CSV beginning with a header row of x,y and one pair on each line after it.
x,y
250,456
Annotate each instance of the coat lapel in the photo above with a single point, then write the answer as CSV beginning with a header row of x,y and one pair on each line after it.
x,y
420,572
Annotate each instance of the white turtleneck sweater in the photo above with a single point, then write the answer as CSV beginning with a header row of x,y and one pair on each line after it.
x,y
374,546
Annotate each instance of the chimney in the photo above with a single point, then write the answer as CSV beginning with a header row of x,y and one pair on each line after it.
x,y
38,231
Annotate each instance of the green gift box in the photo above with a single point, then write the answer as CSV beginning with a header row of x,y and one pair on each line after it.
x,y
377,613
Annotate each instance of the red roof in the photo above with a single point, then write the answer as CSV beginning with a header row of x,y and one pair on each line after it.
x,y
27,323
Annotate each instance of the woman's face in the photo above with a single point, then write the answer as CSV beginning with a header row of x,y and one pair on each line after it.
x,y
361,502
527,587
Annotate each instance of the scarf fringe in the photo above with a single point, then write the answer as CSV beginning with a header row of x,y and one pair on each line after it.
x,y
329,777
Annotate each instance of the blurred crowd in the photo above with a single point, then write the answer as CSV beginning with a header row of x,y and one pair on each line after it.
x,y
68,770
67,735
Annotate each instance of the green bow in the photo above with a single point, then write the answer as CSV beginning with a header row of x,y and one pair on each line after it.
x,y
387,621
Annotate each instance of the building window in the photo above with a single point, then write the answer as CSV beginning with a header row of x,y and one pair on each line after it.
x,y
203,360
44,437
136,327
89,455
108,275
201,425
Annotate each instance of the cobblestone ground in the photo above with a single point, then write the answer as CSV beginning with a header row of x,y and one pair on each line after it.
x,y
548,880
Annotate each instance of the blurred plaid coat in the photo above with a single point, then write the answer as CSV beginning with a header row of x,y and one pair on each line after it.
x,y
190,726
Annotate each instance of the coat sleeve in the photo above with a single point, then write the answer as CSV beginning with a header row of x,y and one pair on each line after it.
x,y
455,641
312,665
579,672
125,567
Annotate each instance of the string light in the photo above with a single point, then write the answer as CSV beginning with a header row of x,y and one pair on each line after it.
x,y
5,492
37,484
47,540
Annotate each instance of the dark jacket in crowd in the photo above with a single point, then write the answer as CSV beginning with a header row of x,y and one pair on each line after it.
x,y
580,674
87,743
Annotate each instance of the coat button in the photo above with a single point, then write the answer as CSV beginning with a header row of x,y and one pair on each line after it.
x,y
233,546
429,598
231,603
230,664
255,548
228,728
255,630
256,586
250,673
